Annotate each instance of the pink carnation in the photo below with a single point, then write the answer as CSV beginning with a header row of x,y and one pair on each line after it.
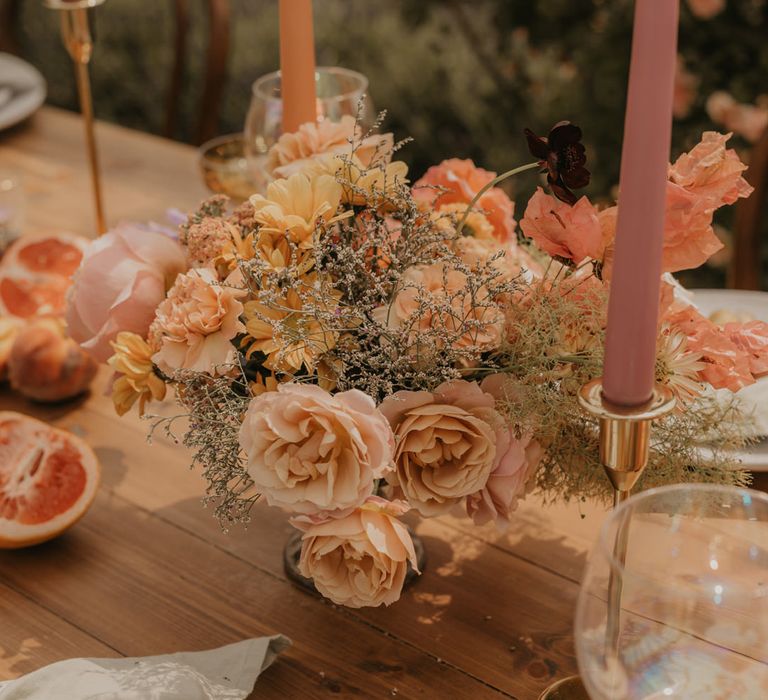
x,y
463,180
195,325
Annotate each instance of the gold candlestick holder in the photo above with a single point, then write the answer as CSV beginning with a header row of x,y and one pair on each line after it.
x,y
77,35
625,434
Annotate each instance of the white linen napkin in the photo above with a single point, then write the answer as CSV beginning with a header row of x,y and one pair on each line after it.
x,y
227,673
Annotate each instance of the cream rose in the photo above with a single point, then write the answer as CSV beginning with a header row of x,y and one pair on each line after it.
x,y
359,560
446,444
308,451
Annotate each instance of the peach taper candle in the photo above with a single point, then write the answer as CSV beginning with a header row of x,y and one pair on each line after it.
x,y
297,63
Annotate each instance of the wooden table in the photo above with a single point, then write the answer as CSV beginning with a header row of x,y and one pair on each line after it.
x,y
149,571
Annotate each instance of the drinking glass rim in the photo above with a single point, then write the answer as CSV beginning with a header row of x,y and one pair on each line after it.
x,y
606,538
256,87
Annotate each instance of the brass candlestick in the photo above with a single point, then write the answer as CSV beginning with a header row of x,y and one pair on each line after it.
x,y
624,445
77,34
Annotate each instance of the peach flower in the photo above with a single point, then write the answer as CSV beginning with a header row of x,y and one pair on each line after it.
x,y
463,180
446,444
689,239
439,284
122,278
727,366
194,327
518,459
513,260
570,232
711,171
706,9
752,339
308,451
295,152
361,559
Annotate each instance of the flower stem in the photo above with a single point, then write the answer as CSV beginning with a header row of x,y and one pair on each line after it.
x,y
493,183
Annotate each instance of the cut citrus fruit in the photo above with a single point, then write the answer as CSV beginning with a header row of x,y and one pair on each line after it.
x,y
25,297
55,254
36,272
48,479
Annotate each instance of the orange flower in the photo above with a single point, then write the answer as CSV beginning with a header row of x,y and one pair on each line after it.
x,y
726,366
294,152
570,232
711,171
463,180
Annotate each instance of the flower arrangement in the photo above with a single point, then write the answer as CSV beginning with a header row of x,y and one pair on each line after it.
x,y
350,346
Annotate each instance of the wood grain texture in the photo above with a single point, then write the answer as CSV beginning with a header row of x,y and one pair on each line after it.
x,y
148,570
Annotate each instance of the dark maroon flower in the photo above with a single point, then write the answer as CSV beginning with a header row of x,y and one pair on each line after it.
x,y
562,156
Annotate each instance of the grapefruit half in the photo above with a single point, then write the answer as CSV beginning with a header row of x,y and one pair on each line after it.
x,y
36,272
48,480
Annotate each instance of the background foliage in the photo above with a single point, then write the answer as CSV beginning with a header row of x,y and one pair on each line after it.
x,y
463,77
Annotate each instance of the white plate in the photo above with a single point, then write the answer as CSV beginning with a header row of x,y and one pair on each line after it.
x,y
22,90
756,396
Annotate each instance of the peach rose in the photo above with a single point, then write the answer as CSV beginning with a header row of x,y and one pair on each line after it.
x,y
308,451
361,559
121,280
570,232
439,284
194,327
463,180
446,444
711,171
295,152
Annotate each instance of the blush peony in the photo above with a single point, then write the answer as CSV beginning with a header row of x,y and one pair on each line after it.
x,y
361,559
308,451
121,280
194,327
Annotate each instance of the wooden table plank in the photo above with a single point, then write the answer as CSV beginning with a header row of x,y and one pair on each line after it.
x,y
31,636
144,587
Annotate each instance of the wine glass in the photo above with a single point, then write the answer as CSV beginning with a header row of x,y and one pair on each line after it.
x,y
689,565
340,92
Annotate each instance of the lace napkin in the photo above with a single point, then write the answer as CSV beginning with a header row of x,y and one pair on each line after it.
x,y
227,673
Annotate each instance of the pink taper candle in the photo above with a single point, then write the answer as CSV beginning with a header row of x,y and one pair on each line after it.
x,y
633,308
297,63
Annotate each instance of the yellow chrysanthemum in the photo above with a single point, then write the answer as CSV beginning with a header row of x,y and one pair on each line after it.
x,y
372,185
290,332
137,380
293,206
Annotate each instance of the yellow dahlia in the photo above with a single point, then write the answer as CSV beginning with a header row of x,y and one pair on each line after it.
x,y
137,379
